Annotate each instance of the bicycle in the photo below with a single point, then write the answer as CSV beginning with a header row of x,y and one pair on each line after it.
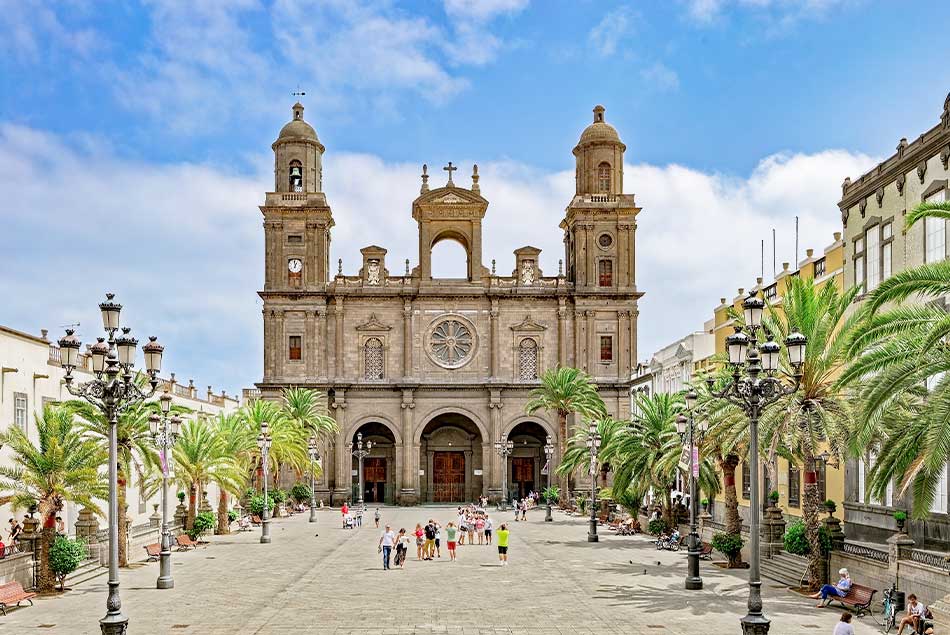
x,y
670,543
889,619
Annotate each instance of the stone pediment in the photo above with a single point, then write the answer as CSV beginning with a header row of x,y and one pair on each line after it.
x,y
450,196
373,324
528,325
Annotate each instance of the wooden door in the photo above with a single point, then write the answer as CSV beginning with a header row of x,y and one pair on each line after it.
x,y
374,479
522,474
448,477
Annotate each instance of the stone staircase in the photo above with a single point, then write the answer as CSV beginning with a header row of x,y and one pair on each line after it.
x,y
785,568
88,570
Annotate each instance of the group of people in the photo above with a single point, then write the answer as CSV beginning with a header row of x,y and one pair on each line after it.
x,y
15,532
916,611
471,521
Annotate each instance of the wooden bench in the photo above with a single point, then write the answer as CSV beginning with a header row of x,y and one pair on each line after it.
x,y
184,542
11,594
154,551
256,520
858,599
705,551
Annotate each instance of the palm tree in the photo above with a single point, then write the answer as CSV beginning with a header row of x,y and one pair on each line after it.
x,y
897,352
289,439
309,409
645,455
566,391
197,454
797,425
64,466
236,441
136,453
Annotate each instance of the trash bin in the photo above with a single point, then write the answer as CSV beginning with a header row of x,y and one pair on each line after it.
x,y
899,601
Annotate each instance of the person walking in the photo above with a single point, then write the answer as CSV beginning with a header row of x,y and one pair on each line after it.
x,y
345,510
438,540
843,627
419,541
402,548
428,551
450,534
503,545
386,542
524,508
376,517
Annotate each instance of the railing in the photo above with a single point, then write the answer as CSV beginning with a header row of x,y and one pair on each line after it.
x,y
55,355
863,551
182,391
931,559
293,197
601,198
251,394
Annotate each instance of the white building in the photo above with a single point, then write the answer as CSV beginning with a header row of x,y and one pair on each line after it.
x,y
31,377
671,368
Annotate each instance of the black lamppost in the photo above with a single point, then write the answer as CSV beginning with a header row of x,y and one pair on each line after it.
x,y
111,391
692,434
504,450
549,454
314,457
752,391
360,452
164,431
264,442
593,446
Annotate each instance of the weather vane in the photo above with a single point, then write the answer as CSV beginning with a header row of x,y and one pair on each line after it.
x,y
298,92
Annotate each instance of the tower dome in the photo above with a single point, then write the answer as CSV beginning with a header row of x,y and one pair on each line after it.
x,y
298,156
599,158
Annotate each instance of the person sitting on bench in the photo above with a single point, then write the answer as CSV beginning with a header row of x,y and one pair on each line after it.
x,y
837,591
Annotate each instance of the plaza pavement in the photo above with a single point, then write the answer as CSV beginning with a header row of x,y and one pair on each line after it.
x,y
556,582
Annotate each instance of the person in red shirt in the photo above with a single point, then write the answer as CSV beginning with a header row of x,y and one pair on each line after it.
x,y
345,509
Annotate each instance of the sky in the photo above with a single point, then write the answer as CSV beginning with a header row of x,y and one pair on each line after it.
x,y
135,141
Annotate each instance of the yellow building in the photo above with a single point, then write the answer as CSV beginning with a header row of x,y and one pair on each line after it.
x,y
828,268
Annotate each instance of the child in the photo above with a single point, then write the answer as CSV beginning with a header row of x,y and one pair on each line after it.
x,y
376,517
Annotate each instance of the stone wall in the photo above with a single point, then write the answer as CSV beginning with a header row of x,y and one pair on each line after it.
x,y
19,568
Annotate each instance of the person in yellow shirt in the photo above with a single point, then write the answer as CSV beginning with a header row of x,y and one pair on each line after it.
x,y
503,544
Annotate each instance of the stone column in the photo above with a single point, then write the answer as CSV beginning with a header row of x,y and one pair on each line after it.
x,y
493,331
407,349
899,547
561,332
280,340
772,531
155,520
623,256
311,260
343,472
409,495
496,424
623,355
469,466
324,345
580,340
87,526
592,348
311,346
833,526
340,369
269,344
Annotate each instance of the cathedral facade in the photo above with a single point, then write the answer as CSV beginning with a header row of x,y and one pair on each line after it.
x,y
434,371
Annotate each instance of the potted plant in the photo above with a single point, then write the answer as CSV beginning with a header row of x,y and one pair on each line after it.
x,y
901,517
705,503
181,498
773,498
830,507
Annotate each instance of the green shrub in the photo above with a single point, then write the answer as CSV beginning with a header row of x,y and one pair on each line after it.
x,y
728,544
629,502
256,505
705,501
774,495
232,516
796,542
551,494
657,526
301,492
181,497
204,521
65,556
278,496
900,515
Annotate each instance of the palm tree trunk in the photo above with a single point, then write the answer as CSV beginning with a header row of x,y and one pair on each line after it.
x,y
668,508
224,526
192,504
122,480
562,448
46,579
728,466
810,510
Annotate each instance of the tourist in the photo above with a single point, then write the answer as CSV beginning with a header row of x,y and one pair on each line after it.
x,y
488,528
429,550
843,627
450,534
915,613
60,526
524,508
376,517
503,544
386,542
470,528
345,510
839,590
419,541
463,528
359,517
15,530
438,540
403,543
480,528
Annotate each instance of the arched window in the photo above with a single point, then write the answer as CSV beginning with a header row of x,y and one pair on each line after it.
x,y
296,176
603,177
373,358
528,359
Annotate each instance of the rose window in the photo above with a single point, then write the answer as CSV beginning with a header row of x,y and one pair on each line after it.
x,y
451,343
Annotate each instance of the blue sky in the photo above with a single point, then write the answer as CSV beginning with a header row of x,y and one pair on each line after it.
x,y
161,114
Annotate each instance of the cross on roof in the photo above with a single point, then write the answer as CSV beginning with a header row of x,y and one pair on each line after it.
x,y
450,169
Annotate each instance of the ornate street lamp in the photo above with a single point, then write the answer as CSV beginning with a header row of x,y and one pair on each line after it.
x,y
112,390
753,387
360,453
504,450
549,455
314,457
692,434
264,442
593,446
164,431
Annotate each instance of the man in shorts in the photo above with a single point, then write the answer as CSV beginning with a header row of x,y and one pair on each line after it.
x,y
503,545
428,548
488,528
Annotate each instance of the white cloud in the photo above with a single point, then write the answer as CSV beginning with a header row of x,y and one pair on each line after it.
x,y
779,15
660,77
608,34
31,31
473,41
183,246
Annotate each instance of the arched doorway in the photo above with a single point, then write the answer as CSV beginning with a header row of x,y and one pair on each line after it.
x,y
451,452
527,459
379,466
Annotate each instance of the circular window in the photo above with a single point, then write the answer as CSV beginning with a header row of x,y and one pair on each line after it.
x,y
605,240
451,343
